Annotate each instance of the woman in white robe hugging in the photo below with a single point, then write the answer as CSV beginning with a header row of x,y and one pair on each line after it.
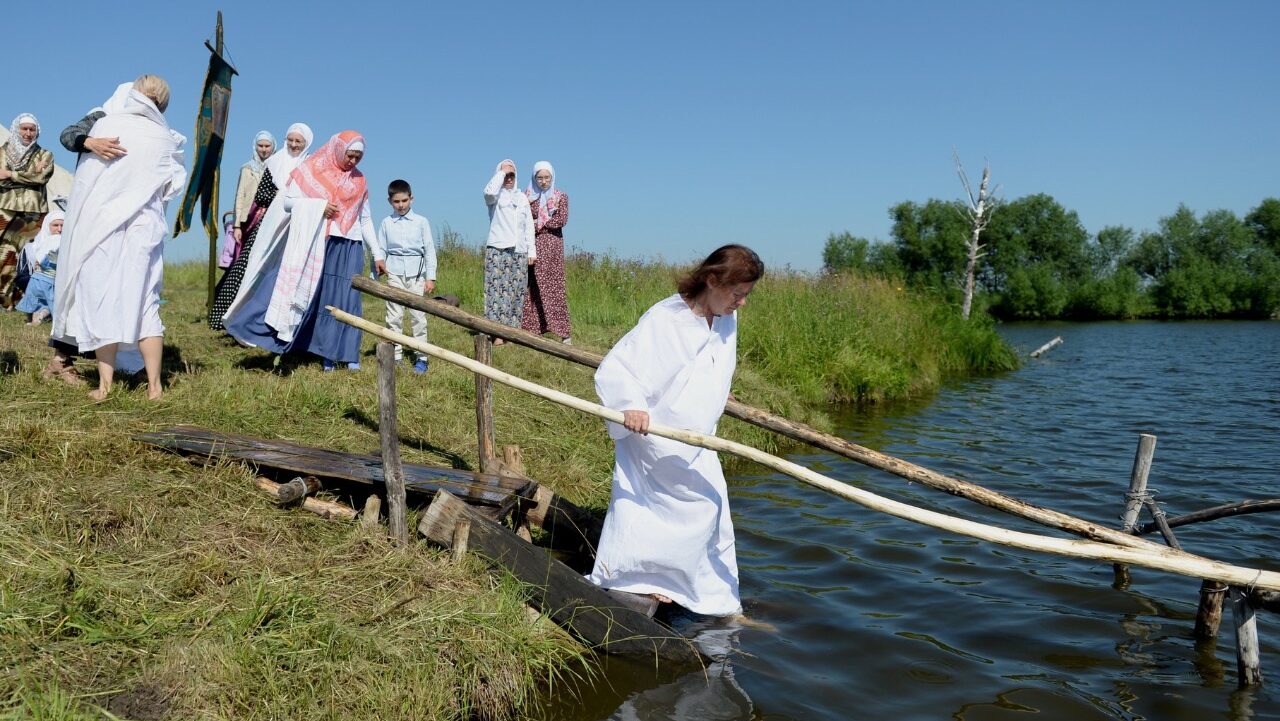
x,y
111,266
668,532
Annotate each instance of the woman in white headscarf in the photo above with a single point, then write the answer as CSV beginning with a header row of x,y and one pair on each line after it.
x,y
546,307
25,170
275,175
509,250
41,258
112,263
264,145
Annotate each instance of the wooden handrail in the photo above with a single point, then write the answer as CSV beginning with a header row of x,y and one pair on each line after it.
x,y
777,424
1156,557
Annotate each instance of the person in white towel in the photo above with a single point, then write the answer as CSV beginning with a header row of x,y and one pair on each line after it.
x,y
668,533
111,266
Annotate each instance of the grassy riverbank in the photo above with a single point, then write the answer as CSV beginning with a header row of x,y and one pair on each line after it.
x,y
134,581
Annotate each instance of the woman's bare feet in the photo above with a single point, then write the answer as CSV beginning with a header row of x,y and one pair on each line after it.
x,y
154,393
63,370
97,395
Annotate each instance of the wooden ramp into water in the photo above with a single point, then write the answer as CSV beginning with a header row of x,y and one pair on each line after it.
x,y
501,494
467,509
605,621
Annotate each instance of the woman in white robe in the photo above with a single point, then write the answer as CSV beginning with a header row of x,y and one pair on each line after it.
x,y
668,532
112,264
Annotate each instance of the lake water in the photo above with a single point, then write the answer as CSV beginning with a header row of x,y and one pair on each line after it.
x,y
879,618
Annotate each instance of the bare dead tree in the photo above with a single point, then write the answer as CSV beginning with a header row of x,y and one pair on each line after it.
x,y
978,214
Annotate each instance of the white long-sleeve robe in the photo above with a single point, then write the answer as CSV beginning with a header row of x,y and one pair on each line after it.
x,y
668,530
111,264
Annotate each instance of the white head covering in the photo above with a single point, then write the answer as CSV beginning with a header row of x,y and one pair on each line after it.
x,y
534,191
16,151
115,103
44,242
282,163
358,145
255,163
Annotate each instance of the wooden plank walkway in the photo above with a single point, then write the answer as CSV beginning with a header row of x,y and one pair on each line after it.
x,y
475,488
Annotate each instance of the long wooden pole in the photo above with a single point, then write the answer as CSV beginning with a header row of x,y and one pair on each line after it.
x,y
777,424
1157,557
1225,510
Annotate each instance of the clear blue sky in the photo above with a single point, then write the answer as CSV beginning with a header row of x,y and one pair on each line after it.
x,y
678,126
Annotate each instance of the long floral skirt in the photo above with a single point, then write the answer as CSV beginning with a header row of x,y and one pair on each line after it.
x,y
505,277
546,308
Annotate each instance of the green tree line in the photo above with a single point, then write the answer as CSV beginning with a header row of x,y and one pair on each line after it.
x,y
1040,262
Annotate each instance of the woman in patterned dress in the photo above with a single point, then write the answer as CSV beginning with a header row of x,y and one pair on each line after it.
x,y
510,248
545,306
25,170
275,175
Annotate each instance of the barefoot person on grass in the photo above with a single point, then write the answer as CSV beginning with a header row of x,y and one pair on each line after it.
x,y
668,533
111,267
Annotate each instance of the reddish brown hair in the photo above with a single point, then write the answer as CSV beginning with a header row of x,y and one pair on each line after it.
x,y
727,265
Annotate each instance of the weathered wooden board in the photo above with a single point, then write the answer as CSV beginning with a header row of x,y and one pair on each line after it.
x,y
588,612
476,488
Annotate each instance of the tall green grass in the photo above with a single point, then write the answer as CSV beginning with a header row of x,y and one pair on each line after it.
x,y
137,584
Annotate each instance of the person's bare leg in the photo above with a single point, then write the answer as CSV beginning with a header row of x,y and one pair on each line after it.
x,y
152,349
106,371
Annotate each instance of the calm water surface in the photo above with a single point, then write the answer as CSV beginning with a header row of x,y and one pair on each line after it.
x,y
879,618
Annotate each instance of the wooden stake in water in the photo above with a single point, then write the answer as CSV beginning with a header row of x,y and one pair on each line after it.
x,y
1209,614
1138,481
392,472
1248,661
1134,497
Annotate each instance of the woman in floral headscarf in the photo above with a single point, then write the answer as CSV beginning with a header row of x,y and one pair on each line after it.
x,y
274,175
25,170
330,223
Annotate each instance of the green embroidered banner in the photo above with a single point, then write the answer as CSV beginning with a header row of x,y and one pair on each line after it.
x,y
211,129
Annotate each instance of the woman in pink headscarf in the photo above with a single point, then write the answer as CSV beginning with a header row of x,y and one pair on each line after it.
x,y
328,203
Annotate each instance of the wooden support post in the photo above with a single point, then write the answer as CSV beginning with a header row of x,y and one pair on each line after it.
x,y
484,407
461,538
1162,523
513,465
1209,614
1134,497
392,473
1138,481
1248,661
372,507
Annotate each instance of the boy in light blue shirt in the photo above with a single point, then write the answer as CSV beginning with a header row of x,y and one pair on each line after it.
x,y
406,254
